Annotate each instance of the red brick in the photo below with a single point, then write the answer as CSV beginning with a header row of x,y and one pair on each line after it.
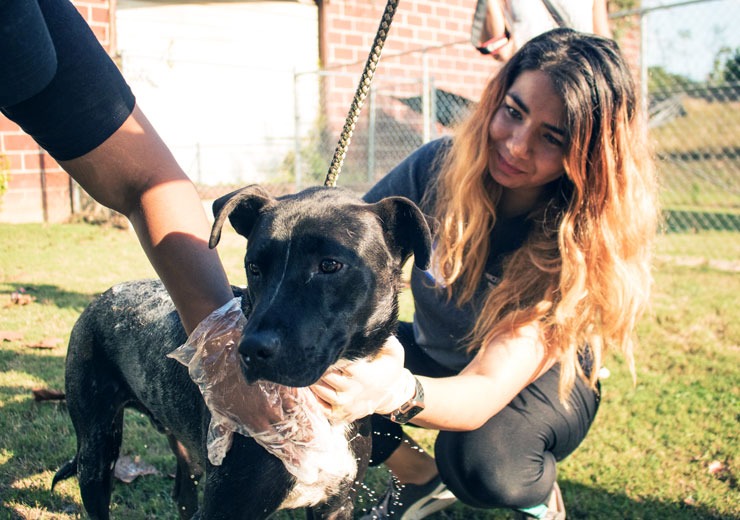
x,y
83,10
354,40
340,24
6,125
19,142
424,8
24,181
101,33
343,54
12,161
32,161
100,14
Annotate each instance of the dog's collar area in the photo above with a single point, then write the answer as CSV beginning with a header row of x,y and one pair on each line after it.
x,y
288,422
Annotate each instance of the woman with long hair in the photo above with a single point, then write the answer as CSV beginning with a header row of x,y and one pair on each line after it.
x,y
543,209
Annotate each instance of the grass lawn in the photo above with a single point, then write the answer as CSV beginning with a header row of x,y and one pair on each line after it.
x,y
665,448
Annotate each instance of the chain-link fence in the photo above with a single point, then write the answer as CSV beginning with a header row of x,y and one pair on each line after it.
x,y
400,113
694,107
686,57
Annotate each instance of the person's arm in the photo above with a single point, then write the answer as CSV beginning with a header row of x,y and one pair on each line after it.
x,y
601,19
134,173
495,21
493,378
495,36
462,402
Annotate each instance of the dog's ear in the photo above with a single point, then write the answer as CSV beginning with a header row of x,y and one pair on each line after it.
x,y
242,207
406,229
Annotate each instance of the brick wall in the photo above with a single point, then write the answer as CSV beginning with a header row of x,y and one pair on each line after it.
x,y
349,30
349,27
38,189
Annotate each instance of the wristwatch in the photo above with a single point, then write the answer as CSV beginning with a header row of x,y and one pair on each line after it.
x,y
410,408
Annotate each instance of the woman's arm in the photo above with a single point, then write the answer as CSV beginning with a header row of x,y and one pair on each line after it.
x,y
495,37
493,378
462,402
601,19
134,173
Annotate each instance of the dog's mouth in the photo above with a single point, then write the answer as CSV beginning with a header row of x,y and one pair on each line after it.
x,y
254,370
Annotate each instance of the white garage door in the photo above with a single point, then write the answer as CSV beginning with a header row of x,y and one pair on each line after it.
x,y
216,79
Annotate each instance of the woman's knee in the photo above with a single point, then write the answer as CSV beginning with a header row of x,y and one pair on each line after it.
x,y
487,474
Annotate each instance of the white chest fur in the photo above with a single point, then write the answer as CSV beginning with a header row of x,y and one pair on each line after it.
x,y
331,463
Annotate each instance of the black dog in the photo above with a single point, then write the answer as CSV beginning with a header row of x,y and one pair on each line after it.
x,y
323,271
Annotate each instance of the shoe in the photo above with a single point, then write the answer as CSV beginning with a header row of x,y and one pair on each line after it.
x,y
555,507
411,502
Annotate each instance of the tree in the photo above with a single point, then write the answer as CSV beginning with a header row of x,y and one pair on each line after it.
x,y
661,81
726,66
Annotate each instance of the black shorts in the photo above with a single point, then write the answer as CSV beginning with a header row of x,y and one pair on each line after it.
x,y
510,461
56,80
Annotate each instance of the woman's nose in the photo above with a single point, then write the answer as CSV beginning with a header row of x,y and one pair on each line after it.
x,y
519,143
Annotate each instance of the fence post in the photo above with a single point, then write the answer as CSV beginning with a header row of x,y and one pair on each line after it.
x,y
644,93
432,109
425,96
297,134
371,136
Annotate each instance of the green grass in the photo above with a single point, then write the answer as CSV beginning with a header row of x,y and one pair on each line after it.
x,y
648,455
705,126
708,184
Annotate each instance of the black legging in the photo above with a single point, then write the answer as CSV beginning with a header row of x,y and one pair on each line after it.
x,y
509,462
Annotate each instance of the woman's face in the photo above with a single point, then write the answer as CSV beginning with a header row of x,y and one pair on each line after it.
x,y
527,138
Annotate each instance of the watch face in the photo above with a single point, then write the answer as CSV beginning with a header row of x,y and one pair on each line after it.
x,y
404,417
411,408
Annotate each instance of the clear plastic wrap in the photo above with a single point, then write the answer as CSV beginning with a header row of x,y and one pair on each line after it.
x,y
286,421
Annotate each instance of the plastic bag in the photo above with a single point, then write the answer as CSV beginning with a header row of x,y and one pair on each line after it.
x,y
286,421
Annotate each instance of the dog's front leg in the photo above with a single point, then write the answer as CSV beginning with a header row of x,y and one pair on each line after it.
x,y
341,505
250,484
187,477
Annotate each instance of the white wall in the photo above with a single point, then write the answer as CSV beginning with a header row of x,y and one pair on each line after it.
x,y
216,79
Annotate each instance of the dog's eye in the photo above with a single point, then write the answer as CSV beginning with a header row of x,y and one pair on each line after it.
x,y
329,266
253,269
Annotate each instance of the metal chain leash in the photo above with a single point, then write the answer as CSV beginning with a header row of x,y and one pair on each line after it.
x,y
360,94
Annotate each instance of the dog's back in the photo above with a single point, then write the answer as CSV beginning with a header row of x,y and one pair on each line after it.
x,y
106,355
323,271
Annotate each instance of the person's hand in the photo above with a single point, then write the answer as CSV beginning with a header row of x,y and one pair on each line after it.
x,y
286,421
505,52
259,406
352,390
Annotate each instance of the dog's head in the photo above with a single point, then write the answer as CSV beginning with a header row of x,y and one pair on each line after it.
x,y
323,273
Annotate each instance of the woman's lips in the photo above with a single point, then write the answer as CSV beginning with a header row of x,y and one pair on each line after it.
x,y
506,167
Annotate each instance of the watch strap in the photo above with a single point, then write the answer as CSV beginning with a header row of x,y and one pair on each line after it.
x,y
410,408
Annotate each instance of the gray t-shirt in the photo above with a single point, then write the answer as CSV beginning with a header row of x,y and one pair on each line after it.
x,y
441,325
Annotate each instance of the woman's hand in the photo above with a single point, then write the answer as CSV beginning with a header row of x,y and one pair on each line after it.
x,y
287,421
354,389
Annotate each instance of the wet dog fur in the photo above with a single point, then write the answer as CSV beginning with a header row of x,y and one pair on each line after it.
x,y
323,274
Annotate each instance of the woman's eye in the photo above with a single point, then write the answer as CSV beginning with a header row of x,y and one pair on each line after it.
x,y
253,269
553,140
513,112
329,266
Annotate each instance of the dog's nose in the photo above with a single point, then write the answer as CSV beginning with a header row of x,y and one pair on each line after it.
x,y
259,347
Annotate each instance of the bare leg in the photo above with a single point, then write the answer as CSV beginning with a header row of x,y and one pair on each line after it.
x,y
411,464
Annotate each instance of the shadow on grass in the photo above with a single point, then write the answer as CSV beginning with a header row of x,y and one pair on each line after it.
x,y
51,294
46,369
586,503
36,438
